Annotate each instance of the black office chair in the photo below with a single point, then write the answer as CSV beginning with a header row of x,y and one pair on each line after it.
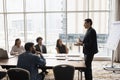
x,y
63,72
18,74
2,74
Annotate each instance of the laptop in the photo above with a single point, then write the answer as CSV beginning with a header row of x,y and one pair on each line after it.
x,y
4,54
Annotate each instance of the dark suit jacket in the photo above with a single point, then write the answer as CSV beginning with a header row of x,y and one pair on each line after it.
x,y
44,50
31,63
90,42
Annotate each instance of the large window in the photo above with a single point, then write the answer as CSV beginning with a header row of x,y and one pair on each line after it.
x,y
34,5
75,22
14,6
15,28
2,32
1,6
55,5
35,26
52,19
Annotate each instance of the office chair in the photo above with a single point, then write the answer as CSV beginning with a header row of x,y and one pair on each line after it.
x,y
18,74
2,74
63,72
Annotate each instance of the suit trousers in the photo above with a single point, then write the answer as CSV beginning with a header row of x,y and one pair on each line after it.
x,y
88,62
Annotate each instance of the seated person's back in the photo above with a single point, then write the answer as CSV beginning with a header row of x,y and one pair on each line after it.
x,y
31,62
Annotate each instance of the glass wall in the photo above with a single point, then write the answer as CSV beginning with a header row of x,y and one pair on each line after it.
x,y
15,28
35,26
2,31
53,19
34,5
14,6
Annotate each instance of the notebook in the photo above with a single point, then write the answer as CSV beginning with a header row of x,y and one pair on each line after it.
x,y
74,59
4,54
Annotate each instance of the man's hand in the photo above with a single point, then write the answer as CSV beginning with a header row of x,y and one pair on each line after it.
x,y
78,44
37,52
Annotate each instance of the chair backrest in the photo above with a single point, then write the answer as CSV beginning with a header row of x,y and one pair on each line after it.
x,y
63,72
2,74
3,54
18,74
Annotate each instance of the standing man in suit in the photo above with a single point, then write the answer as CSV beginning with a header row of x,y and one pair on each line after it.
x,y
90,48
31,62
40,48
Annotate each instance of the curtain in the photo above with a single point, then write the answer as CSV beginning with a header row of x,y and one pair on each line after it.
x,y
117,10
117,18
117,54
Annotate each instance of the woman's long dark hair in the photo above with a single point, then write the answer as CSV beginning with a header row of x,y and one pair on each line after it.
x,y
57,43
16,41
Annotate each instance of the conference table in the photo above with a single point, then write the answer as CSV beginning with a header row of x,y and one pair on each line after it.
x,y
51,61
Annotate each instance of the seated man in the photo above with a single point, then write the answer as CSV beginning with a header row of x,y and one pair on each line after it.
x,y
40,48
31,62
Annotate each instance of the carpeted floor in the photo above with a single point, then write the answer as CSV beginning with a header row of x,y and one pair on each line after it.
x,y
98,72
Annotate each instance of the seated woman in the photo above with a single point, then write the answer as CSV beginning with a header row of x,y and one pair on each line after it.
x,y
60,47
17,48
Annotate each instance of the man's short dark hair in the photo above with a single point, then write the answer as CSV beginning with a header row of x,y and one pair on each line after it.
x,y
39,38
28,46
89,21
